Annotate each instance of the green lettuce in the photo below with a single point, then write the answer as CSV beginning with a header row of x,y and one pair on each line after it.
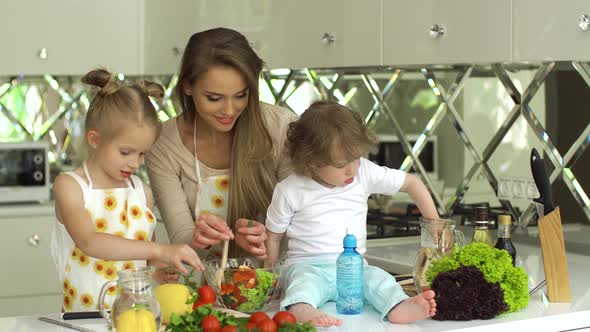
x,y
496,266
258,295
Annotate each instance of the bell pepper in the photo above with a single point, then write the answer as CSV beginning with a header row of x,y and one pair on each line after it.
x,y
132,320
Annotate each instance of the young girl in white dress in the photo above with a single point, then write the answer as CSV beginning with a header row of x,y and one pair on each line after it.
x,y
104,219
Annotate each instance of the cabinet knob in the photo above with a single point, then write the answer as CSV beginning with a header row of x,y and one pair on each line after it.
x,y
436,31
34,240
176,51
328,39
584,22
42,54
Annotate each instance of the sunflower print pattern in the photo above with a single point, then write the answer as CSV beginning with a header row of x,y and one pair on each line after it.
x,y
213,200
120,212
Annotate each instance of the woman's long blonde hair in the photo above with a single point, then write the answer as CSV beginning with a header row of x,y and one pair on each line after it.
x,y
252,171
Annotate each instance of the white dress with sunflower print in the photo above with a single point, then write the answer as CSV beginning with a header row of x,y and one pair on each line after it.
x,y
119,211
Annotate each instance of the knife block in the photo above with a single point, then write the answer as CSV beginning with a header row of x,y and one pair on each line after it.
x,y
554,259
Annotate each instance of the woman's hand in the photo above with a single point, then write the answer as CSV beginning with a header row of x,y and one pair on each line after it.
x,y
210,230
250,236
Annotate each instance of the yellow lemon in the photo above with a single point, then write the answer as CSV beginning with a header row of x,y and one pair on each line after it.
x,y
172,299
133,320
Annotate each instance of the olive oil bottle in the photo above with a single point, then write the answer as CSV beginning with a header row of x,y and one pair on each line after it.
x,y
482,232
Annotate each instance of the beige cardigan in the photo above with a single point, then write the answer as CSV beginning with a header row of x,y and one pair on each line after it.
x,y
171,169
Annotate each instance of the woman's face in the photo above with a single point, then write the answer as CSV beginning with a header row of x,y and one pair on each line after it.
x,y
220,96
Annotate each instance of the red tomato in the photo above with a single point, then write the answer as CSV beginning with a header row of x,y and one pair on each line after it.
x,y
249,326
210,324
257,317
283,317
267,325
229,328
206,294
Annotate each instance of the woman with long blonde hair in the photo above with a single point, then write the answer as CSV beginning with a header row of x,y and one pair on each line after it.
x,y
214,167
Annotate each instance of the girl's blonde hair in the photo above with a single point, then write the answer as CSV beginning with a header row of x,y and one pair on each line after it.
x,y
115,106
325,133
252,170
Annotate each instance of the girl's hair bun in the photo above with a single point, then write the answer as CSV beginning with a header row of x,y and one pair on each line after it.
x,y
103,80
152,89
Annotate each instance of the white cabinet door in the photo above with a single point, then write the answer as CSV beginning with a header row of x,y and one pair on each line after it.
x,y
168,26
27,266
68,37
549,30
327,33
474,31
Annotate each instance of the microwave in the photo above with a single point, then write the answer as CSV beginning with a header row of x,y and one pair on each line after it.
x,y
24,172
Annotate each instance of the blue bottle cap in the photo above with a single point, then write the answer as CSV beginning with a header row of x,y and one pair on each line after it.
x,y
349,241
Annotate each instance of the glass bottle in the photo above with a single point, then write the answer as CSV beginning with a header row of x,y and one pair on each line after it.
x,y
504,241
349,278
482,233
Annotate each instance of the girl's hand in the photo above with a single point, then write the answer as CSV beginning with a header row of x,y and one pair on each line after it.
x,y
250,236
163,274
210,230
177,254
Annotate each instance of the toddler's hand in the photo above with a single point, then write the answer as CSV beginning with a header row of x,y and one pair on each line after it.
x,y
177,254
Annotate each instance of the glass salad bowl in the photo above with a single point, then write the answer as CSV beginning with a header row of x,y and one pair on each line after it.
x,y
245,284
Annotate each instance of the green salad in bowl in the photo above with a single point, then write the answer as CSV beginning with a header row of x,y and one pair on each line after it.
x,y
245,284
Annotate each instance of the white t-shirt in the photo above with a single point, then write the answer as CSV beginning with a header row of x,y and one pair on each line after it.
x,y
316,218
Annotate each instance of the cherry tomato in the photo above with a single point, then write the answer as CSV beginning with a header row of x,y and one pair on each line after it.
x,y
257,317
267,325
210,324
283,317
229,328
249,326
206,294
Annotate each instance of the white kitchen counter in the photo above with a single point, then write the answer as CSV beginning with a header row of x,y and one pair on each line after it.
x,y
398,254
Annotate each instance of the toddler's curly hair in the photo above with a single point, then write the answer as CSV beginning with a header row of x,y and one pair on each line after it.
x,y
327,134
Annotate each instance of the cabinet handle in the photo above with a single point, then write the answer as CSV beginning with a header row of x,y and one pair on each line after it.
x,y
328,39
34,240
42,54
436,31
584,22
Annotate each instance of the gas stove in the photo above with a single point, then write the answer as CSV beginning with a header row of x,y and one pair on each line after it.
x,y
387,225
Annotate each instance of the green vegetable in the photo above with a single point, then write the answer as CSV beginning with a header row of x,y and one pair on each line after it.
x,y
496,266
258,295
297,327
191,321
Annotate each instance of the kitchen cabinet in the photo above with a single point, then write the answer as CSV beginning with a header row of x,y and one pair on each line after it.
x,y
168,27
29,280
69,37
551,31
328,33
446,32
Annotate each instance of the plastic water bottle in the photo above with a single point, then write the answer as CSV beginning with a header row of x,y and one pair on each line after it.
x,y
349,278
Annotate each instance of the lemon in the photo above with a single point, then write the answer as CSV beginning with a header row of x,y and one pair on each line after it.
x,y
172,299
133,320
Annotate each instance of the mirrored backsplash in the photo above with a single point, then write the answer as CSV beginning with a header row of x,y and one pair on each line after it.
x,y
449,115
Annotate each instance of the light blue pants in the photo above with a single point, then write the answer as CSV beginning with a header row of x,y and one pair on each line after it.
x,y
315,283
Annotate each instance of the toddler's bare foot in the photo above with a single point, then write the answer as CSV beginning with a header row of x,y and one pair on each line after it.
x,y
415,308
306,313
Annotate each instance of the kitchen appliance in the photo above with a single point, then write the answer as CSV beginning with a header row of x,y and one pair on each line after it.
x,y
388,152
24,172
